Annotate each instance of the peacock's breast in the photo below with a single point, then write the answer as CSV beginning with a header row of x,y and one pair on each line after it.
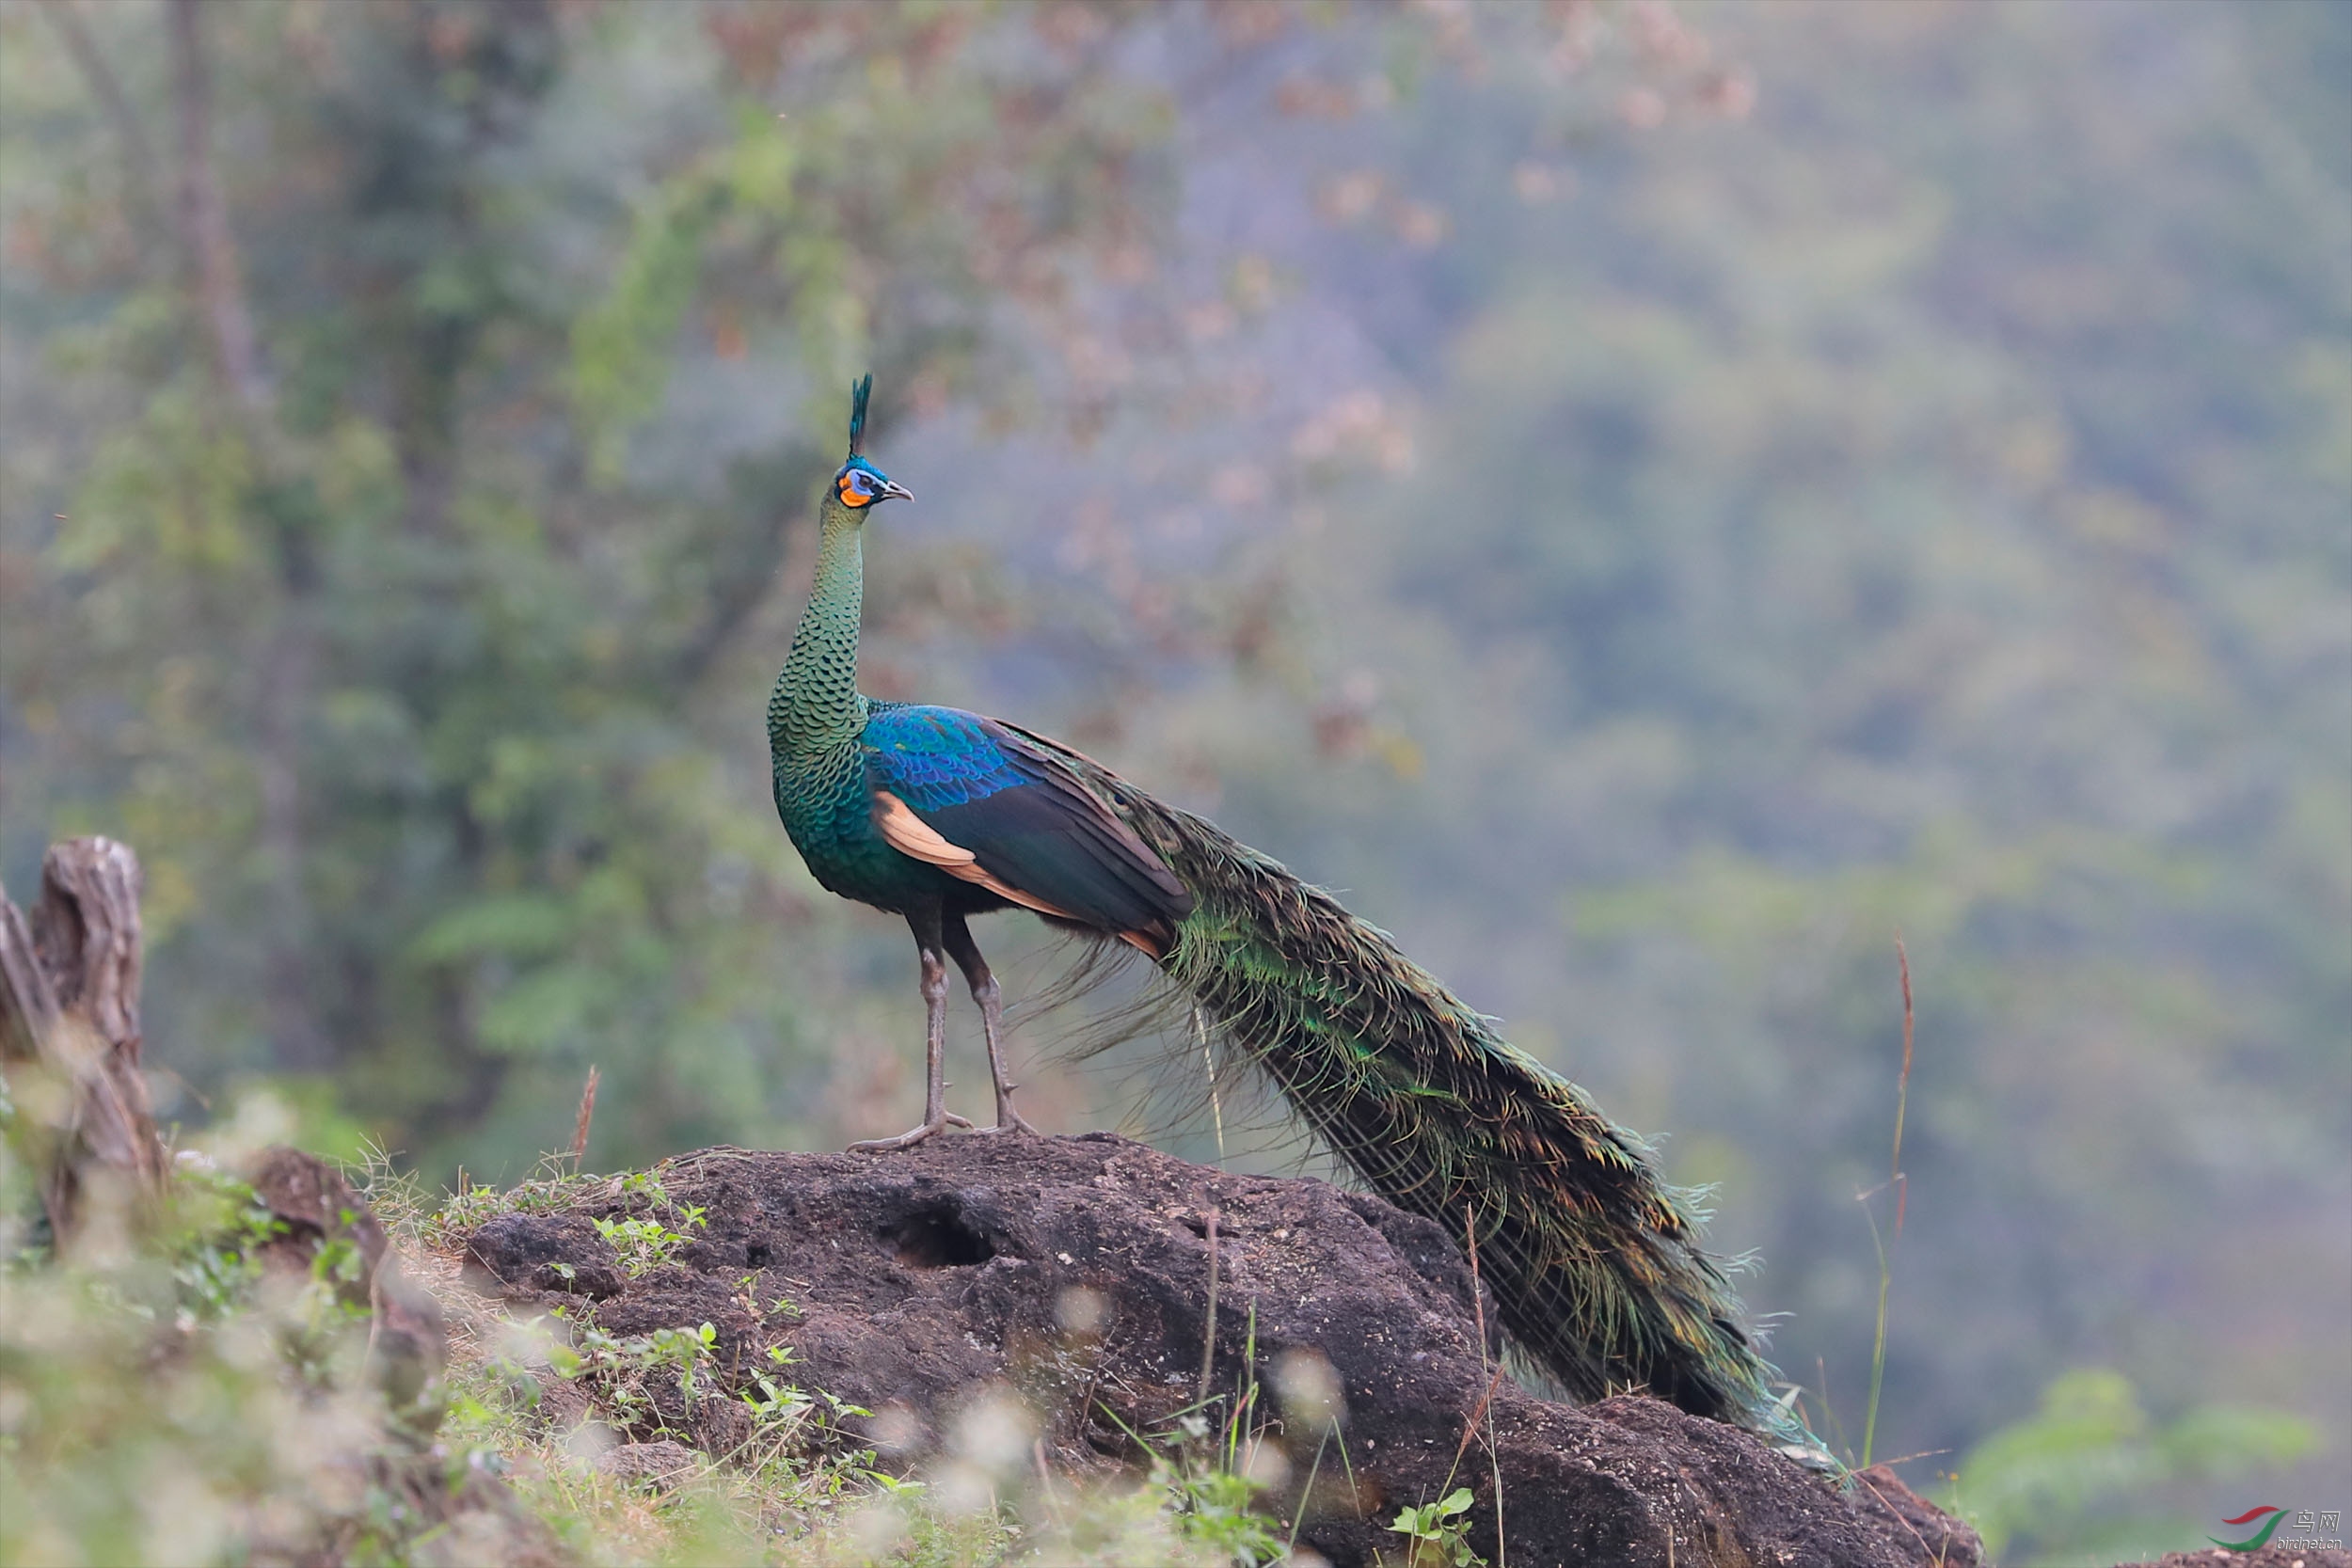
x,y
828,812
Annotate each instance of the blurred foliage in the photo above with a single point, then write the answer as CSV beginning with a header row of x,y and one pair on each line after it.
x,y
1920,508
423,581
2090,1478
167,1398
1648,501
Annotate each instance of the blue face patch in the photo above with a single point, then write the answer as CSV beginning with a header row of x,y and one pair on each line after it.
x,y
859,483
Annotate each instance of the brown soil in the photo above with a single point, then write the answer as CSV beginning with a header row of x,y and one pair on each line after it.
x,y
2270,1557
1075,1275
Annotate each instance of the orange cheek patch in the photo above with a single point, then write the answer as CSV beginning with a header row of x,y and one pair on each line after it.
x,y
849,495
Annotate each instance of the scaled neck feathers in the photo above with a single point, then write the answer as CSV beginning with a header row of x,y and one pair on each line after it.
x,y
816,704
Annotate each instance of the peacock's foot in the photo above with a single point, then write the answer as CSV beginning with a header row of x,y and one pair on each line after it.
x,y
913,1135
1008,1120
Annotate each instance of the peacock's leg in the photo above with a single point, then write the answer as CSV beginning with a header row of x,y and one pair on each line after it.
x,y
937,1118
985,991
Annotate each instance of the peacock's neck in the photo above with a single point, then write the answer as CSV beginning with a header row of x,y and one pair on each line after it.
x,y
816,704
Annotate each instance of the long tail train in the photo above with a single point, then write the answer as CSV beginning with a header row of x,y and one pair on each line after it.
x,y
1593,1261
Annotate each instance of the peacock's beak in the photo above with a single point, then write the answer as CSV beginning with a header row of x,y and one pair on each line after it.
x,y
893,490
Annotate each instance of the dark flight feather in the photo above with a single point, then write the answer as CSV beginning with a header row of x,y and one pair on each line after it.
x,y
1027,820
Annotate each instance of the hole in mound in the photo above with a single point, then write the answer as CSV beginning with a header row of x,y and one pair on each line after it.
x,y
938,1239
758,1254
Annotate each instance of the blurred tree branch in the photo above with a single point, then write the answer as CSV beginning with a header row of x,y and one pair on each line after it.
x,y
138,153
70,1036
202,214
285,680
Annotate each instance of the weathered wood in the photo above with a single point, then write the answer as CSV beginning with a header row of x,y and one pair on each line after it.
x,y
70,1039
28,1003
315,1206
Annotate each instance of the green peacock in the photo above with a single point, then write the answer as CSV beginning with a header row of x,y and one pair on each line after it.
x,y
938,815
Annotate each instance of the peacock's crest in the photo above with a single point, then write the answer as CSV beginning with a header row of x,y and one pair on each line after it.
x,y
861,390
859,483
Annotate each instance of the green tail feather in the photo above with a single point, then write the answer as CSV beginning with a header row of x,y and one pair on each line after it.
x,y
1593,1261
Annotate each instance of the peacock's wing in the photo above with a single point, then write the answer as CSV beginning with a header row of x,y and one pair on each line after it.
x,y
970,795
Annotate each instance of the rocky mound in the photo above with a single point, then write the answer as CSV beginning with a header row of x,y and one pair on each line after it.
x,y
1079,1277
2273,1556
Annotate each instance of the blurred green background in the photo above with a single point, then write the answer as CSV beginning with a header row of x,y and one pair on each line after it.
x,y
1649,502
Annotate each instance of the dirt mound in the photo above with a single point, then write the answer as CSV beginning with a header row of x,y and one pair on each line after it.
x,y
1078,1277
2273,1556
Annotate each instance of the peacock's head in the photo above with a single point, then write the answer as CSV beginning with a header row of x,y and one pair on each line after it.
x,y
860,484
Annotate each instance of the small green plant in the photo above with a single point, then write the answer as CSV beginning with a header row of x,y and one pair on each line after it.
x,y
1199,1473
402,1204
747,1297
777,1405
1215,1507
1440,1532
218,1262
617,1368
641,1245
1208,1482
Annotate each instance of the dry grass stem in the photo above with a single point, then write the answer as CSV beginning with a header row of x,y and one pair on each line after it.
x,y
587,1114
1895,1180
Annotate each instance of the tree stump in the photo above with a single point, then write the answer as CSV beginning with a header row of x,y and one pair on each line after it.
x,y
70,1036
